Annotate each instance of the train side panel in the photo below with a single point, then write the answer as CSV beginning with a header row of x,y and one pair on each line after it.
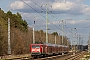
x,y
48,49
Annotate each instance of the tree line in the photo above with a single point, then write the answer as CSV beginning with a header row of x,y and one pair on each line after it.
x,y
16,21
22,34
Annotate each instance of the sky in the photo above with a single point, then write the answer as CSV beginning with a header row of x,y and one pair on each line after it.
x,y
74,13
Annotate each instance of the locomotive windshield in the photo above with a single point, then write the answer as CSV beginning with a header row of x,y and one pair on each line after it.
x,y
37,46
33,46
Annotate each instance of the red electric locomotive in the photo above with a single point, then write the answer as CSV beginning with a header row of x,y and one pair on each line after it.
x,y
38,50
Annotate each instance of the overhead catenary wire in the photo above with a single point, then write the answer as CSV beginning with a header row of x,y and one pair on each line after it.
x,y
51,15
39,13
44,16
33,9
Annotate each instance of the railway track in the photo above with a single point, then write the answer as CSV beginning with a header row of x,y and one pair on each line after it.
x,y
28,57
76,56
69,56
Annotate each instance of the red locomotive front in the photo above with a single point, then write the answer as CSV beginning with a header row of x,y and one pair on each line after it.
x,y
36,49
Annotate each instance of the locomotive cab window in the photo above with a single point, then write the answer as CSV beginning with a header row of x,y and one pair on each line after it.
x,y
33,46
37,46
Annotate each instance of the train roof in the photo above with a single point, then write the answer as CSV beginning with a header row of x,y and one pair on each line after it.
x,y
65,45
49,44
54,44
